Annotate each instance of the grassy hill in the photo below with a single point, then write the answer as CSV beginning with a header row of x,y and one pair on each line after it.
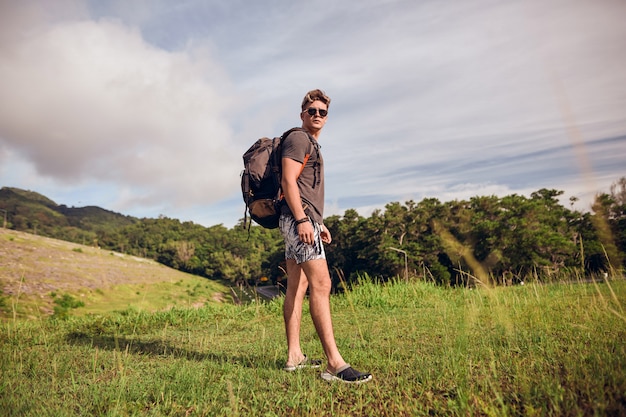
x,y
34,271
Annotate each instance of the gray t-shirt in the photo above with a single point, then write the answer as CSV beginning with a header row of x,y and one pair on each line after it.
x,y
311,182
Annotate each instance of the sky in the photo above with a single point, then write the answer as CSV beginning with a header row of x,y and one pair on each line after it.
x,y
145,107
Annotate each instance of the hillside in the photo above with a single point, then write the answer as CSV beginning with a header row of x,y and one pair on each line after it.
x,y
215,252
35,269
31,211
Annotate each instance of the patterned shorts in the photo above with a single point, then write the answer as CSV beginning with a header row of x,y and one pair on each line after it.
x,y
294,247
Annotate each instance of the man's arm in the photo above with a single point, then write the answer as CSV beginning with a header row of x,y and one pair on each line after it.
x,y
289,182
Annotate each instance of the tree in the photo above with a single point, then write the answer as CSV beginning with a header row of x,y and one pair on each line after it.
x,y
609,220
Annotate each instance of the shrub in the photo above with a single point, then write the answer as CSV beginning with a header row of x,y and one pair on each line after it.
x,y
64,305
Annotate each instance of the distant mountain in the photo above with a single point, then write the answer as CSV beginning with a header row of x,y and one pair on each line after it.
x,y
93,217
32,212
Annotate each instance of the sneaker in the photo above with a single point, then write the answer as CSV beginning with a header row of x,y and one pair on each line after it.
x,y
305,363
347,374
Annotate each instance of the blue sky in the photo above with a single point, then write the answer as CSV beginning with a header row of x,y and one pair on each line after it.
x,y
145,107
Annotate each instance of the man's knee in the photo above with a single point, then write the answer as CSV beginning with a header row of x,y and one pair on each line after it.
x,y
323,288
318,275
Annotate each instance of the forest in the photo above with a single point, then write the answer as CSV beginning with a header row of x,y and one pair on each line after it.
x,y
484,240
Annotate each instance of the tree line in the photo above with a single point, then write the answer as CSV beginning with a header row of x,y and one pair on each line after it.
x,y
503,240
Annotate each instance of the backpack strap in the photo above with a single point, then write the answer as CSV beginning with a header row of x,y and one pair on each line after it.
x,y
306,159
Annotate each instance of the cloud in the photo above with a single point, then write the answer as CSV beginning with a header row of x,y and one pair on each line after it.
x,y
92,101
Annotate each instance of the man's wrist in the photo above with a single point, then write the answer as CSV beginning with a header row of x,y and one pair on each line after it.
x,y
302,220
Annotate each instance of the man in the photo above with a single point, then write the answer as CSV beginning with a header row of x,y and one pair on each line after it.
x,y
302,227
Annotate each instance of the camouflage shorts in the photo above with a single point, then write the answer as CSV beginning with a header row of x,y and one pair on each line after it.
x,y
294,247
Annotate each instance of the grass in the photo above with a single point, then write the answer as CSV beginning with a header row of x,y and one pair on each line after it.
x,y
193,292
526,350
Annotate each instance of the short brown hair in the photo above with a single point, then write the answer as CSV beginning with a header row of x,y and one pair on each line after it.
x,y
313,95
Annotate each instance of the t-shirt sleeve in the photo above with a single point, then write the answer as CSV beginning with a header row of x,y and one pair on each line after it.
x,y
295,146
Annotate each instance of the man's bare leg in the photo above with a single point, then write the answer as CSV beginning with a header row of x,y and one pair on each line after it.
x,y
292,310
318,277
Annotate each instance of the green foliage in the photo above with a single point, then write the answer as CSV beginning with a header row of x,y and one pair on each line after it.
x,y
610,223
64,305
510,240
3,301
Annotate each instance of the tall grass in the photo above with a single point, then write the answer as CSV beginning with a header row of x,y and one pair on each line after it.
x,y
525,350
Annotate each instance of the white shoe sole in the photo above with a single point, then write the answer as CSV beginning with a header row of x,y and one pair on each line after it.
x,y
327,376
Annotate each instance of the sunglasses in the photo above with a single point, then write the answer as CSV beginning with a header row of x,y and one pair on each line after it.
x,y
312,111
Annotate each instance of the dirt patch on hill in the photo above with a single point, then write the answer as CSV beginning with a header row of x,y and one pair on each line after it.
x,y
36,265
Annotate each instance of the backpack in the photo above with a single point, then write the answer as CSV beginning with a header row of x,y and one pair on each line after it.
x,y
261,178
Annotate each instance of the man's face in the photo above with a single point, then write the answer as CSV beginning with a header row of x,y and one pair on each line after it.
x,y
314,122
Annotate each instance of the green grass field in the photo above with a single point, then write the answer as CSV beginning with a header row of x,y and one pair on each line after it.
x,y
528,350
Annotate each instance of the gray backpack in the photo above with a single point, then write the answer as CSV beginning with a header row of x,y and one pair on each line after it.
x,y
260,180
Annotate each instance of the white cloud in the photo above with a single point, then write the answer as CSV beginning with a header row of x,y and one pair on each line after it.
x,y
92,101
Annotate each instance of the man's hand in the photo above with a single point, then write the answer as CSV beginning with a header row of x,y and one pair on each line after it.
x,y
325,235
306,233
